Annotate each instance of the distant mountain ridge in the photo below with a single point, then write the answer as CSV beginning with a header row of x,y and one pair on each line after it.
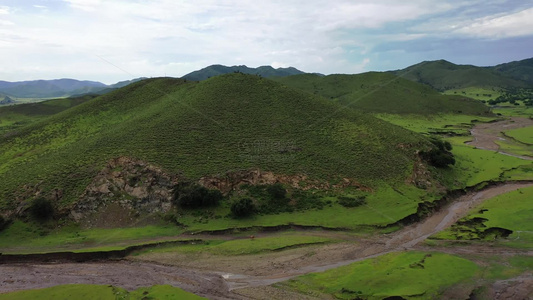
x,y
264,71
444,75
64,87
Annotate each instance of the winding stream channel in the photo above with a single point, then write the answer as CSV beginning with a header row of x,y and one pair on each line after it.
x,y
219,285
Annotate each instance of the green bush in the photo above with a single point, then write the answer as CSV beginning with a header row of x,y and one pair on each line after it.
x,y
243,207
352,201
440,156
41,209
189,195
277,191
3,223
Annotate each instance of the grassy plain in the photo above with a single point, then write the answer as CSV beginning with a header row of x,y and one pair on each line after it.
x,y
523,135
245,246
511,211
102,292
23,237
416,275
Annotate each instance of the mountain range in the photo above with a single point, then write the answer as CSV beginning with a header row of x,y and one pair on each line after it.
x,y
57,88
440,74
444,75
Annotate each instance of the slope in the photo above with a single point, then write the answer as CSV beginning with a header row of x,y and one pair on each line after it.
x,y
383,93
264,71
521,70
230,122
49,88
16,116
444,75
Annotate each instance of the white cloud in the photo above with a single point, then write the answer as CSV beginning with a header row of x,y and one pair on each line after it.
x,y
4,10
86,5
511,25
158,37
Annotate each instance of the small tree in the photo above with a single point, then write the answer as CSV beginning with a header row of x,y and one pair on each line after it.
x,y
243,207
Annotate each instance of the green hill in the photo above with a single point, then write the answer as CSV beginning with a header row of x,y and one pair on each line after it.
x,y
521,70
231,122
444,75
383,93
16,116
264,71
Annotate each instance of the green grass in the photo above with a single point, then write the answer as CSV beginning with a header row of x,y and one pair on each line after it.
x,y
476,93
230,122
14,117
103,292
523,135
517,111
474,166
385,206
30,238
416,275
512,211
444,123
444,75
384,93
245,246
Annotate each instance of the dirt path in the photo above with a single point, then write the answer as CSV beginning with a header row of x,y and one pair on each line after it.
x,y
485,135
217,276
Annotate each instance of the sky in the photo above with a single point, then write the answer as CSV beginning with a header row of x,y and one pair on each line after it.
x,y
116,40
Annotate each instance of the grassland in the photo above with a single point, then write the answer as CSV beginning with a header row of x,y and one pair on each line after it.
x,y
245,246
14,117
523,135
176,125
436,124
511,211
474,166
384,93
103,292
478,93
415,275
444,75
23,237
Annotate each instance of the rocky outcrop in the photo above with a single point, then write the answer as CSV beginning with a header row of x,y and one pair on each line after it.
x,y
232,180
134,185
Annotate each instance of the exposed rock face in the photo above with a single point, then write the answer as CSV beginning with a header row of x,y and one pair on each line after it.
x,y
128,188
232,180
132,184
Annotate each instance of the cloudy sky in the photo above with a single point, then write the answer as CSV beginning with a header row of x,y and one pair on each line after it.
x,y
116,40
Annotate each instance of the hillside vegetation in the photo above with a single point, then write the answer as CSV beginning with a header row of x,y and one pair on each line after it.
x,y
264,71
444,75
383,93
226,123
16,116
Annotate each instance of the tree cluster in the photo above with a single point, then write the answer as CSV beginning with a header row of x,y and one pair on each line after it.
x,y
440,155
191,195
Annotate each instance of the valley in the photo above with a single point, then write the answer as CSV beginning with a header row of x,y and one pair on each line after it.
x,y
238,186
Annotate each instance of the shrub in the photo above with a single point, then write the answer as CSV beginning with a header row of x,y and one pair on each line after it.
x,y
189,195
243,207
3,223
440,156
277,191
352,201
41,209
